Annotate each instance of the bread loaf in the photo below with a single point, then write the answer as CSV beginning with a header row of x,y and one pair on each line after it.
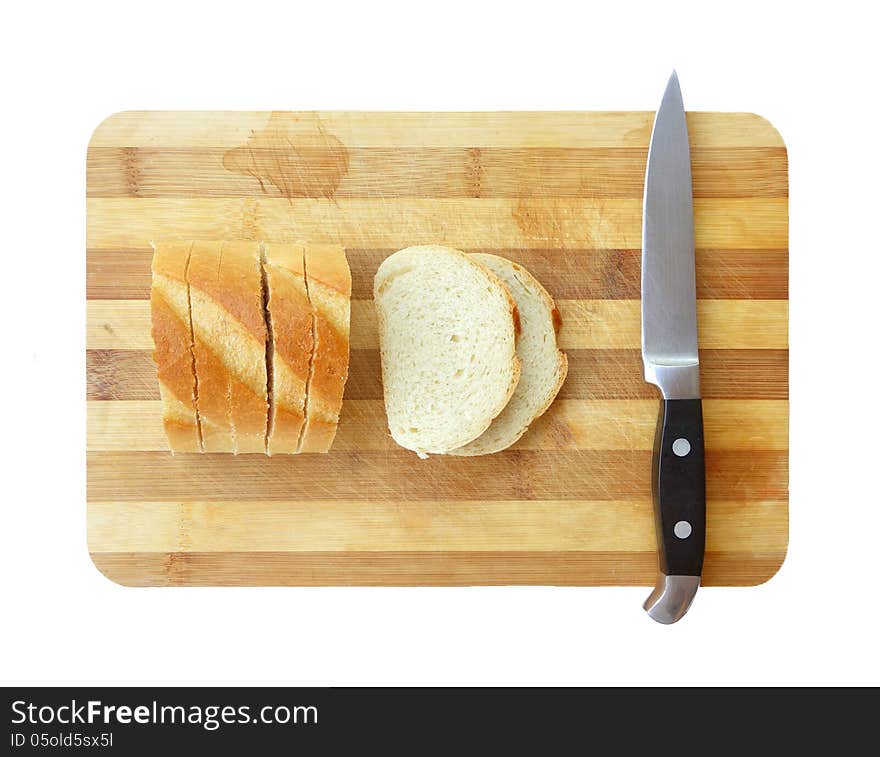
x,y
172,339
447,331
251,351
544,367
328,284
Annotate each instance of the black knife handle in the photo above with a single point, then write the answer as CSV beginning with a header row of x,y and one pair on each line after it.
x,y
679,486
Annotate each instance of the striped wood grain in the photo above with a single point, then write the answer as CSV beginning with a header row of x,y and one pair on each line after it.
x,y
558,192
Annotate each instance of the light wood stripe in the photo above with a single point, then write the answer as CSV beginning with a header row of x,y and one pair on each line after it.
x,y
433,172
399,475
589,129
587,324
568,425
529,223
124,274
429,526
421,568
118,325
616,324
593,374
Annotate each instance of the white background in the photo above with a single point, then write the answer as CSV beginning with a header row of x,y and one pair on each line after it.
x,y
811,69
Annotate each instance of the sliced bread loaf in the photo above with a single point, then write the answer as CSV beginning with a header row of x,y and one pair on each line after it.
x,y
544,367
447,332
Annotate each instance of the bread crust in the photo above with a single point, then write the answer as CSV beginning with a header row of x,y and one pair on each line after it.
x,y
172,340
245,350
289,314
203,277
229,329
328,279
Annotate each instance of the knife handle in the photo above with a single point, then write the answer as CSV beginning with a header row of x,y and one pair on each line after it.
x,y
679,487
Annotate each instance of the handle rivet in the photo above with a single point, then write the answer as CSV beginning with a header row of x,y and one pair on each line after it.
x,y
682,529
681,446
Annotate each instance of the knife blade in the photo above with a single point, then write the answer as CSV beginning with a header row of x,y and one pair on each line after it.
x,y
672,362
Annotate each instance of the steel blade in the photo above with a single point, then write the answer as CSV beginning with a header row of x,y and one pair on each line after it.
x,y
669,299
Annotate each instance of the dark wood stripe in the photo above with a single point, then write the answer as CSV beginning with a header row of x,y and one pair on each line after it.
x,y
592,374
617,374
724,374
121,375
400,475
430,172
124,274
419,568
598,274
744,374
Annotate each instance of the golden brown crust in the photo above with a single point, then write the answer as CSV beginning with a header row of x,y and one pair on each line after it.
x,y
248,410
327,265
240,288
214,387
170,259
321,434
229,344
245,357
286,431
329,289
172,346
290,315
213,401
327,385
517,323
182,436
171,351
557,319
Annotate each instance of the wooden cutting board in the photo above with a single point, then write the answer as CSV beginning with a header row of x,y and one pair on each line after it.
x,y
559,193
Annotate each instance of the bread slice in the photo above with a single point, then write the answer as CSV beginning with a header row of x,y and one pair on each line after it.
x,y
447,332
290,320
172,340
244,349
544,367
328,283
209,336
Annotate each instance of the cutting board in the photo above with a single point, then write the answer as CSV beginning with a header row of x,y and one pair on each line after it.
x,y
560,193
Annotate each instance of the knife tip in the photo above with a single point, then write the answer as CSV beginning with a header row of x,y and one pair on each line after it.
x,y
672,94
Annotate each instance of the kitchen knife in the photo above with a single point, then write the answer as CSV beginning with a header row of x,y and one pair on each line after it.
x,y
671,360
